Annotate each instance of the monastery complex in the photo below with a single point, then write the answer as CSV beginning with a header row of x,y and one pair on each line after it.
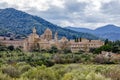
x,y
46,41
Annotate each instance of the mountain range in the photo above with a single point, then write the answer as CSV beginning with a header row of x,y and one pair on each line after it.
x,y
19,24
110,31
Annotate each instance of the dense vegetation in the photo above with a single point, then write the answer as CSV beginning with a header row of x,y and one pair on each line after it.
x,y
18,65
19,25
53,64
24,71
110,46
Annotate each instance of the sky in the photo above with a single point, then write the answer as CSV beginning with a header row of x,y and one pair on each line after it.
x,y
76,13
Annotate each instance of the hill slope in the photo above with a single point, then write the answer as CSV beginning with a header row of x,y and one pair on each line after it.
x,y
84,30
17,23
111,32
108,29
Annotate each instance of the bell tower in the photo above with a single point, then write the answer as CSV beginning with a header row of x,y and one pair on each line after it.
x,y
56,36
34,30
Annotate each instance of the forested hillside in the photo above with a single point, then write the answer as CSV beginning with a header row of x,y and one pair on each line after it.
x,y
18,23
110,31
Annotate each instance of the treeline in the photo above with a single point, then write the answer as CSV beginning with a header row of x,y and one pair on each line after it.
x,y
48,59
9,48
110,46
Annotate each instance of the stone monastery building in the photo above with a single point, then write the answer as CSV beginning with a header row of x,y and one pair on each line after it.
x,y
46,41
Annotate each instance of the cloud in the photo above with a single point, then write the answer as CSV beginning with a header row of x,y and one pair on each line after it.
x,y
3,5
41,5
111,8
81,13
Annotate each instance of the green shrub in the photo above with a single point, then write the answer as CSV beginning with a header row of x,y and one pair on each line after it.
x,y
11,71
77,75
4,77
24,68
40,73
113,73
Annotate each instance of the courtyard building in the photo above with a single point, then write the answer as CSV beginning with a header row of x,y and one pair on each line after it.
x,y
46,41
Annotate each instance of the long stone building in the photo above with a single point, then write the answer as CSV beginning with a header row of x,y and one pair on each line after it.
x,y
46,41
85,45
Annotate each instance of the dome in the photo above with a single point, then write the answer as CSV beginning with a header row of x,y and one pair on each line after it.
x,y
48,31
64,39
48,34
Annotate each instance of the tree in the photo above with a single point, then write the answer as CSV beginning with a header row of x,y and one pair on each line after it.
x,y
3,48
67,50
116,49
64,46
92,50
53,49
11,48
106,41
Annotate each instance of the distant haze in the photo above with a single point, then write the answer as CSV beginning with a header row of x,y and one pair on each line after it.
x,y
79,13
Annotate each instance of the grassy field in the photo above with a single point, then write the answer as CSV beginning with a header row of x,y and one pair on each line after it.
x,y
23,71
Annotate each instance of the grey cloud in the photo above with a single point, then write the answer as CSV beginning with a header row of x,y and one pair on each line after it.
x,y
67,13
74,12
111,8
70,7
6,5
3,5
52,13
74,6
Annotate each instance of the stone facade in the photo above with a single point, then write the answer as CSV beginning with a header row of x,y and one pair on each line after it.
x,y
46,41
85,45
